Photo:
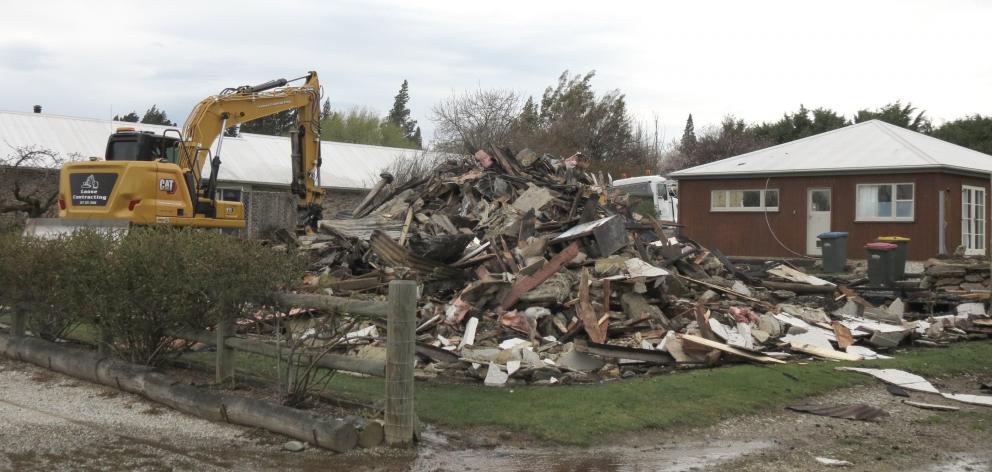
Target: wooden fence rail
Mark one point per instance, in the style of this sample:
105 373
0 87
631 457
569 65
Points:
400 311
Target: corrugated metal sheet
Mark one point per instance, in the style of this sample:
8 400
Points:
249 158
869 146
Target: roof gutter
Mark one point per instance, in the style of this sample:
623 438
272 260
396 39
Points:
833 172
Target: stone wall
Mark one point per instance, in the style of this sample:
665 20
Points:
957 275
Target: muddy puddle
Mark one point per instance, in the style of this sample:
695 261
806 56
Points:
960 462
436 455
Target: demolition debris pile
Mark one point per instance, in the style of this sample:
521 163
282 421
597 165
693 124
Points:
533 270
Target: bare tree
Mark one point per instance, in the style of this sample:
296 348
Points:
472 119
31 175
408 168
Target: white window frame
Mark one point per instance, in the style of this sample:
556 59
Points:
889 219
965 234
761 193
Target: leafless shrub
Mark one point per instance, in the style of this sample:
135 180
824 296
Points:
298 374
409 168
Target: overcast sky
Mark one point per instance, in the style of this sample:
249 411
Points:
753 59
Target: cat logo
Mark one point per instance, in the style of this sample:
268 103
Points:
90 183
229 210
167 185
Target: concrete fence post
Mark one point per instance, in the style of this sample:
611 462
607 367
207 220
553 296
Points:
401 326
225 353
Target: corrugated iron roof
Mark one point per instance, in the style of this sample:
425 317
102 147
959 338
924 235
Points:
249 158
870 146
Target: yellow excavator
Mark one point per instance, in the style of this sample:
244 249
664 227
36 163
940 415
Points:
148 179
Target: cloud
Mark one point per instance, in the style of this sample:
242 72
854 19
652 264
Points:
24 57
709 58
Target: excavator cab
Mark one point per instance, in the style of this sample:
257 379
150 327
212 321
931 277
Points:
130 145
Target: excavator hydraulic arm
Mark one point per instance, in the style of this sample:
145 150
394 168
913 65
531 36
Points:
208 120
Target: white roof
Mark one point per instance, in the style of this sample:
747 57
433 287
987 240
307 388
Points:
639 179
870 146
249 158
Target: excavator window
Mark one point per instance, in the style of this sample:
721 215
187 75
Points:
130 146
122 150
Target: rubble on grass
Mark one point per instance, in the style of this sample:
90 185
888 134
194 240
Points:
534 271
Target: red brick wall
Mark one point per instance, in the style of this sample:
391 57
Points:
747 234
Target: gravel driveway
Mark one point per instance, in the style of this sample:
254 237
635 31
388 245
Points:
54 422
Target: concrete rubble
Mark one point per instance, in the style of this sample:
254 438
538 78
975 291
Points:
534 271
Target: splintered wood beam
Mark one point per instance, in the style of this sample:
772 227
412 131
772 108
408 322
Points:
729 349
529 282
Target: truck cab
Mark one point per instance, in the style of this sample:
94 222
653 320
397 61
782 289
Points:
651 195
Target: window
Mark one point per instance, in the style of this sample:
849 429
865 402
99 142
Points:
973 220
885 202
229 194
744 200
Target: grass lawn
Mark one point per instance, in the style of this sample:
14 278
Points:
581 414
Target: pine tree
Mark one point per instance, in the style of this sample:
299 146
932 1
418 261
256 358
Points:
325 112
529 117
278 124
417 139
688 137
130 117
154 116
399 115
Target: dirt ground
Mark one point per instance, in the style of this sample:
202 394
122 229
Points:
53 422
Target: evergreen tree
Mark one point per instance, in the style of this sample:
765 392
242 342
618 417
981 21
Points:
399 115
530 119
801 124
325 112
899 115
278 124
974 132
130 117
688 143
417 139
154 116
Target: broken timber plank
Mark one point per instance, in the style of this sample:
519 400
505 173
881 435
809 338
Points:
587 314
528 283
843 334
822 352
729 349
931 406
794 275
798 288
406 226
722 289
624 352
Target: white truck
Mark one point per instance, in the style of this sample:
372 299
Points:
651 193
